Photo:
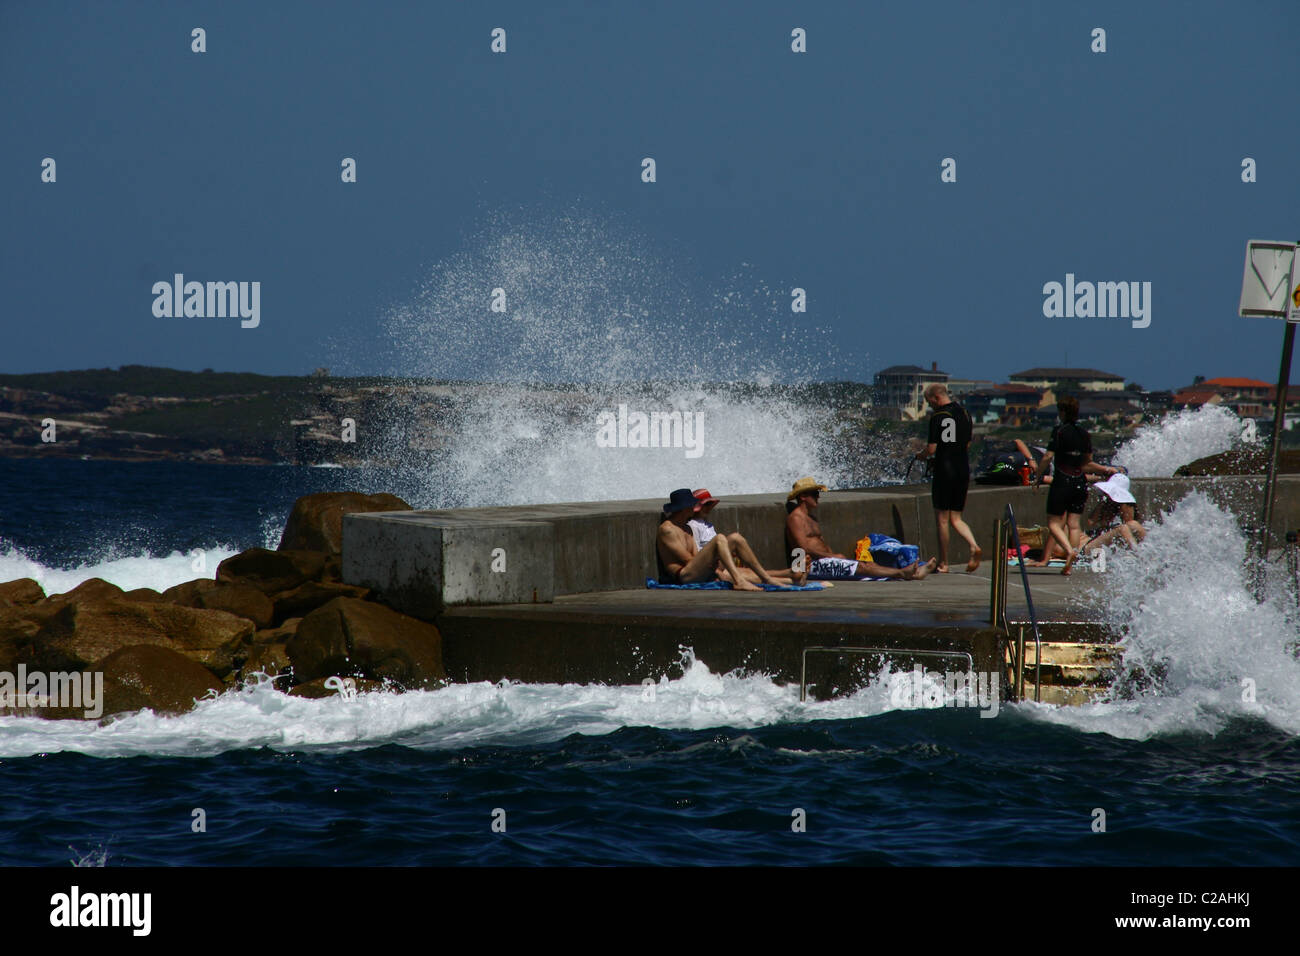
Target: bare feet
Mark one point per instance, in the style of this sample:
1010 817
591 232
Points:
974 561
942 569
801 578
909 572
743 585
1069 562
926 568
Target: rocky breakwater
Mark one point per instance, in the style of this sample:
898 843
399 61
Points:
283 615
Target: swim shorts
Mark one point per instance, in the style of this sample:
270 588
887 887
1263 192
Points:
948 489
1067 493
833 569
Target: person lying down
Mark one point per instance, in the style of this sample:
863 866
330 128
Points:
803 531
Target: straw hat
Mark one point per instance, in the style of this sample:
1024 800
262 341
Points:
803 486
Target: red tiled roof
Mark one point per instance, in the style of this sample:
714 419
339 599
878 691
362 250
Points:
1237 383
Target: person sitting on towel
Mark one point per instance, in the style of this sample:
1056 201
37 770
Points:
703 532
803 531
681 563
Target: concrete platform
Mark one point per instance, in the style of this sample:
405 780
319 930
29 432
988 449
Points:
625 637
556 593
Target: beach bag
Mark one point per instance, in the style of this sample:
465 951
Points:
886 551
1007 470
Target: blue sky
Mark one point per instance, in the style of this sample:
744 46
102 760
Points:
775 170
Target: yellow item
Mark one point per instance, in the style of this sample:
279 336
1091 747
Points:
863 552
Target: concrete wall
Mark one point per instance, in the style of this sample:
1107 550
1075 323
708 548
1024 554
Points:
424 561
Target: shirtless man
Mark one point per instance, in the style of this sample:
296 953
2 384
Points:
685 565
804 530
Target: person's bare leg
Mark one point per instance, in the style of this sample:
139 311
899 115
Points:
873 570
1127 535
1139 532
784 576
1075 529
963 529
746 554
942 518
701 567
1049 547
920 571
1056 525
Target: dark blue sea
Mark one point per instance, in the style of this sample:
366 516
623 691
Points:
717 769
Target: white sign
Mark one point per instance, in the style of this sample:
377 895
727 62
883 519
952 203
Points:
1267 286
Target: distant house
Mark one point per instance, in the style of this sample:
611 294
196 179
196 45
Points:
900 389
1069 379
1195 397
1011 405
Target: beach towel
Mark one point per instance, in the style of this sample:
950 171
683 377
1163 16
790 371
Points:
886 551
724 586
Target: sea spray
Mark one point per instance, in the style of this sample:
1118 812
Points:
127 571
1198 648
1157 449
587 305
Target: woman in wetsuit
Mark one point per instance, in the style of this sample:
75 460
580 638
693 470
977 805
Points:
1071 447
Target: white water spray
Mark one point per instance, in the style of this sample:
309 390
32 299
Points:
1157 450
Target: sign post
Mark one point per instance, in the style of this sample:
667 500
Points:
1268 288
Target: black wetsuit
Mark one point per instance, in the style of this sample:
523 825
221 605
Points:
950 433
1070 446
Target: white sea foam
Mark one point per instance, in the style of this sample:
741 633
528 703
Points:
1187 609
459 715
127 572
1157 449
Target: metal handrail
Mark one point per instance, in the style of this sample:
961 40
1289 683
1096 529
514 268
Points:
1029 602
886 651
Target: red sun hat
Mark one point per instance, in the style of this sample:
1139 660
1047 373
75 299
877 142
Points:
703 497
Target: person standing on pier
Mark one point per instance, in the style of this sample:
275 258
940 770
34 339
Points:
1071 445
950 436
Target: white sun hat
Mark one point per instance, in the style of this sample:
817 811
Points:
1116 489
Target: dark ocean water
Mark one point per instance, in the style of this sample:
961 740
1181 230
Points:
581 775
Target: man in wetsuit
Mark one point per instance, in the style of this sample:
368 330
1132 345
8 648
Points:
950 435
1071 446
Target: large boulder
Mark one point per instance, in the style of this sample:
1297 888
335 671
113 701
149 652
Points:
156 677
305 598
80 634
316 521
188 593
350 637
316 689
269 659
19 593
242 601
279 634
271 571
91 589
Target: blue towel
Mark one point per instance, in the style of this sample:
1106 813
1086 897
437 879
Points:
891 552
724 586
